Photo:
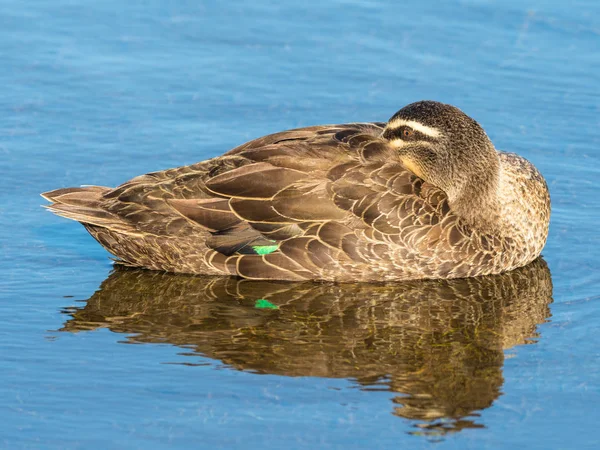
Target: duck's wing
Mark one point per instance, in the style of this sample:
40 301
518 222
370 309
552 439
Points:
175 201
280 188
334 200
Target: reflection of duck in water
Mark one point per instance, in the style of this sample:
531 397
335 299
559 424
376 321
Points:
439 343
424 196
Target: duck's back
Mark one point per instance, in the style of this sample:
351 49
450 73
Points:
328 202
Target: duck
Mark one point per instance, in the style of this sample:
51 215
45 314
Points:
425 195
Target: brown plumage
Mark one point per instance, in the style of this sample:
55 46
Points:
424 196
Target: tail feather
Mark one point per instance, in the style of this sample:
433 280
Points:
61 195
83 204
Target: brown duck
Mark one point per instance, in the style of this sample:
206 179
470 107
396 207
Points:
425 195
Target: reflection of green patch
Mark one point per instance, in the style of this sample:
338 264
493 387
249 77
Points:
264 249
261 303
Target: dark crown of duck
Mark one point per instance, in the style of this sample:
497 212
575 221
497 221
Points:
424 196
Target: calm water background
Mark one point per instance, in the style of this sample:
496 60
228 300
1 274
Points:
98 92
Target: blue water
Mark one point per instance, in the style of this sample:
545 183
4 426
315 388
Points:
98 92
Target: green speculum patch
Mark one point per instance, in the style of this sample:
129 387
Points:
264 249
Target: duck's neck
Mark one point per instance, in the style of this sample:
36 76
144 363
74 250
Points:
477 202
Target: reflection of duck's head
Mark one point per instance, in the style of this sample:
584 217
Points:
440 343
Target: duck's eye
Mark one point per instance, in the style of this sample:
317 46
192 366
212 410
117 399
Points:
407 132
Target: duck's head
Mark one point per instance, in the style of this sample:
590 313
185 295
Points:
442 145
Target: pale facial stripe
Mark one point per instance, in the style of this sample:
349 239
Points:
427 131
398 143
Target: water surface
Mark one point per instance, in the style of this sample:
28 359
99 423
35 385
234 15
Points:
96 357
